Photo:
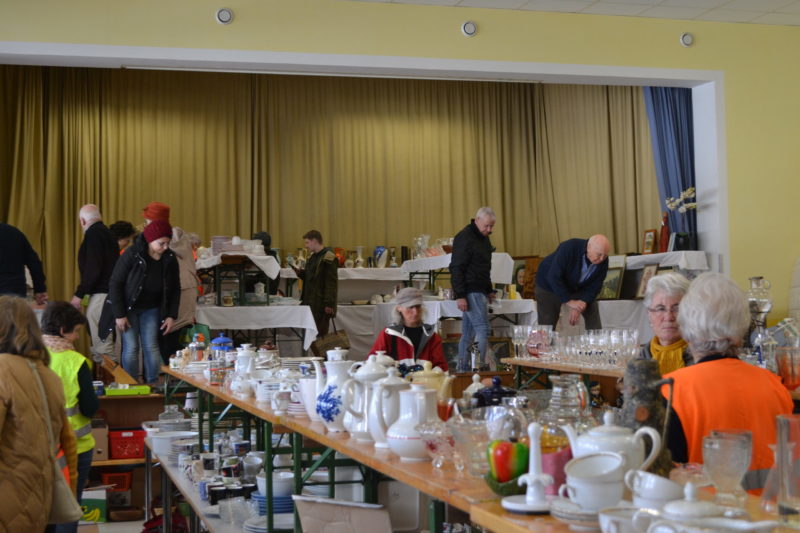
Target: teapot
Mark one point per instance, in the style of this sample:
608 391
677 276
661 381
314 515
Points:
385 360
691 515
433 378
357 395
384 407
612 438
493 395
337 354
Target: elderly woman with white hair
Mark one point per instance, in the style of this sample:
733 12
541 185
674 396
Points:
662 299
719 391
408 337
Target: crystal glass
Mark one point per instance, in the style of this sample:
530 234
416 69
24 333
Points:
788 470
726 458
520 337
438 441
475 429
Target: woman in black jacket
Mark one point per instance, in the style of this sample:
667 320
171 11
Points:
143 298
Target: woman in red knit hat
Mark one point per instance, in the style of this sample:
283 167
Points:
143 297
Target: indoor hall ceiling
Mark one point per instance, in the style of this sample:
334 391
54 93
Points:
776 12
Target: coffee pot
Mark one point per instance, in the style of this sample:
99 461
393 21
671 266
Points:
417 406
384 406
434 378
358 395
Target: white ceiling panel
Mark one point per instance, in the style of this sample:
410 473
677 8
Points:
672 12
564 6
613 8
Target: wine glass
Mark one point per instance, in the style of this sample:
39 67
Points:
726 459
520 337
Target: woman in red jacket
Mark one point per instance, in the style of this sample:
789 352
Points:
408 337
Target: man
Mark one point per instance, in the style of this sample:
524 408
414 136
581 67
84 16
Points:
719 391
573 275
470 269
320 281
15 254
97 256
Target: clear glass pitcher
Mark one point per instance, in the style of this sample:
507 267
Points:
759 300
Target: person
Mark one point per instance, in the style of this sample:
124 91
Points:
662 299
181 245
271 284
26 453
61 325
470 276
143 298
408 337
16 253
97 255
519 279
320 281
572 275
720 391
124 232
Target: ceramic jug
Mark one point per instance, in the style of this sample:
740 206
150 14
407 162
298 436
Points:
417 406
434 378
612 438
358 396
384 407
245 358
329 399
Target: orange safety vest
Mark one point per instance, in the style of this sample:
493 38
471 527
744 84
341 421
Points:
729 394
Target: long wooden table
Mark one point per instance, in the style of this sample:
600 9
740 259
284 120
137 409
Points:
460 490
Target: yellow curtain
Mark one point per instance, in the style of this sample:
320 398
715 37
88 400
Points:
365 161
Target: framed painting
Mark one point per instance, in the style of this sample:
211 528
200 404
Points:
648 241
647 272
612 285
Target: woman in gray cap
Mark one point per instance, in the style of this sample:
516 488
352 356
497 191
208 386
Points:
408 337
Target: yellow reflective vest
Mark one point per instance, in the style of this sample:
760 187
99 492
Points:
67 364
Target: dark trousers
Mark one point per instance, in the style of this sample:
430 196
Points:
322 321
548 309
169 344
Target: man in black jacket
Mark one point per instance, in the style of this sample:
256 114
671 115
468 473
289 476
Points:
470 269
15 254
573 275
97 256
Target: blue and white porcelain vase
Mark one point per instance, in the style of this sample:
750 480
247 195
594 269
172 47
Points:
329 401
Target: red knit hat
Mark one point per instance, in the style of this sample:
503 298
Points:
157 229
156 211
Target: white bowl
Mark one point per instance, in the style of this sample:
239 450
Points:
282 483
162 441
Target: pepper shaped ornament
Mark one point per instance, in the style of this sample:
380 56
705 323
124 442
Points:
612 438
534 500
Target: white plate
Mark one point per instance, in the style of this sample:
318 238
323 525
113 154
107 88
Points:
211 510
570 513
258 524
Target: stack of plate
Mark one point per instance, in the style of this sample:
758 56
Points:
265 388
280 504
259 523
295 362
297 409
179 446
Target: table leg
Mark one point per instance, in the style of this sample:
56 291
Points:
166 501
148 484
436 516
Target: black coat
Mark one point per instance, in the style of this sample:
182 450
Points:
471 263
97 256
560 273
126 285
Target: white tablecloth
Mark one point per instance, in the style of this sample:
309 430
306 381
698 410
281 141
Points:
502 266
266 263
379 274
685 260
259 317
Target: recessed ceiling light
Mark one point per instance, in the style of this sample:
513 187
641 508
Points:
469 28
687 39
224 15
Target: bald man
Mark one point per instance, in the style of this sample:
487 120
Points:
97 256
573 275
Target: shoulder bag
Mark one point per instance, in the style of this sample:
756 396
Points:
337 339
65 507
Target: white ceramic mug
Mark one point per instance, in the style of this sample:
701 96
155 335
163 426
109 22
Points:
617 520
592 496
650 490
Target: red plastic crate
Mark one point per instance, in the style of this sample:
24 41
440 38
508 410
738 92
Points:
122 480
127 444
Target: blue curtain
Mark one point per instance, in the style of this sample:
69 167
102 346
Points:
669 110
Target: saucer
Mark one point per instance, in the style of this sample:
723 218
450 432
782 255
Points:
517 504
570 513
211 510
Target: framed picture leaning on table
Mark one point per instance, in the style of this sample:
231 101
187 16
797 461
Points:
647 272
648 241
612 285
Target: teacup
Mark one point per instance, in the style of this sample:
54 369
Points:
650 490
592 496
280 401
617 520
596 467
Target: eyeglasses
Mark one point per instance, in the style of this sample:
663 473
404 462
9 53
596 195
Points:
661 310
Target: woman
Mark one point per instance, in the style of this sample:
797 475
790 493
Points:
661 299
408 337
124 232
61 326
719 391
26 455
143 297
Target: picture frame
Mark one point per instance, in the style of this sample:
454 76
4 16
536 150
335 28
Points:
648 271
612 285
498 348
648 241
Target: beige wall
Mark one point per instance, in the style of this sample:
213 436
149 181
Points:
759 65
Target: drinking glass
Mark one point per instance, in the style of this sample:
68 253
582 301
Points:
788 470
726 458
520 337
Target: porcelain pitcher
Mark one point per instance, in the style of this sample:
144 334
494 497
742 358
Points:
358 396
329 399
417 406
384 407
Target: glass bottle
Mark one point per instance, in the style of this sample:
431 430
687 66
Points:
170 414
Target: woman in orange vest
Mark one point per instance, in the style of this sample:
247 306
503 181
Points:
719 391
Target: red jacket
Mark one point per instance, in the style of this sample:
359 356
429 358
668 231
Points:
430 346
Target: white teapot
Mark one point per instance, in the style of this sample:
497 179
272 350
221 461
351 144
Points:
384 407
357 395
385 360
612 438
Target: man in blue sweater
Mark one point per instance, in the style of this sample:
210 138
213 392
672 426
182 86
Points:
573 275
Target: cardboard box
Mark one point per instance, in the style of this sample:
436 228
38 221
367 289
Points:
116 371
100 434
119 498
95 507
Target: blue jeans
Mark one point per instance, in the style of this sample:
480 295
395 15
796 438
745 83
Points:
144 325
84 465
474 324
